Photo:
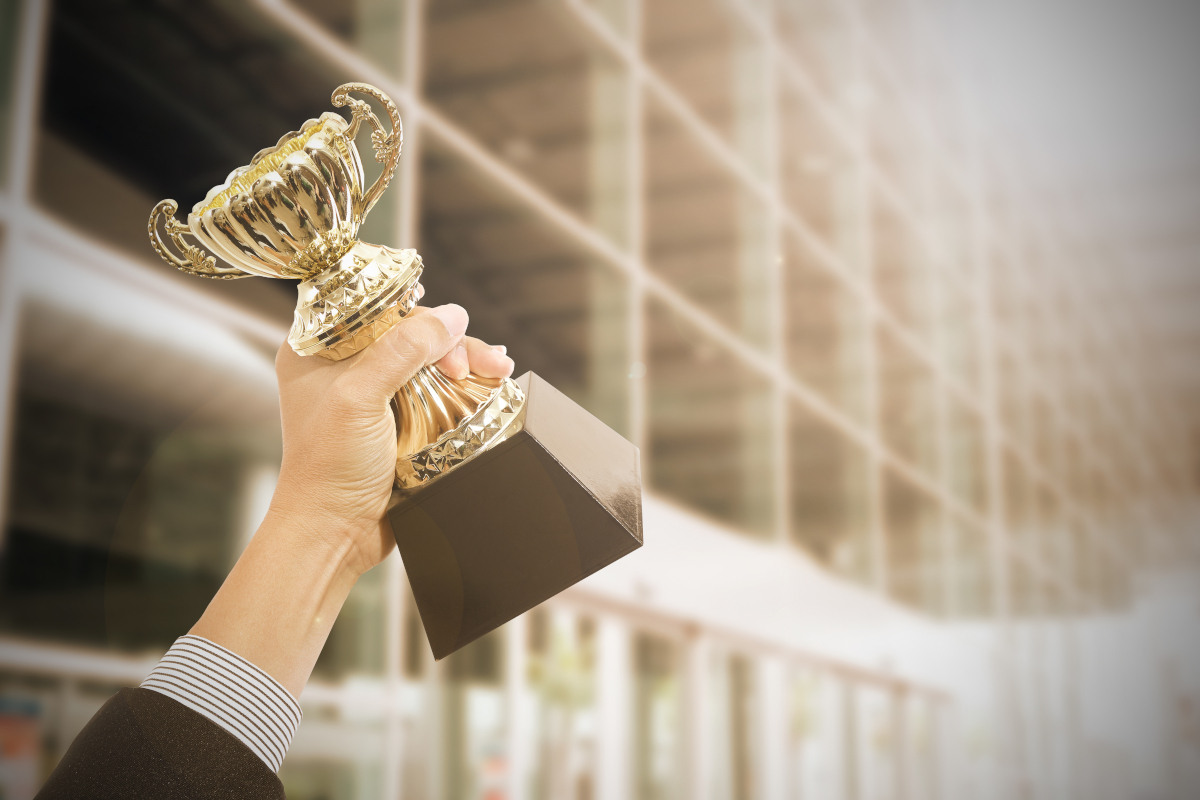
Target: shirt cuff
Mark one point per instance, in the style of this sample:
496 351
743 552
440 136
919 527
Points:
230 691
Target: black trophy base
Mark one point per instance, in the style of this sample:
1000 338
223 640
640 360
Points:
521 522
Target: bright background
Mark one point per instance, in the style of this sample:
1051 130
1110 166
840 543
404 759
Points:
899 299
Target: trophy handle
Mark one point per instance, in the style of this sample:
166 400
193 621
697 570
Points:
194 260
387 143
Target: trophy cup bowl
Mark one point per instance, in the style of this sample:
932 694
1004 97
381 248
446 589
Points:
563 490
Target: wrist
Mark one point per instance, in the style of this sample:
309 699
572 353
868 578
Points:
333 539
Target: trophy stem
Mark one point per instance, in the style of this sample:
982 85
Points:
440 422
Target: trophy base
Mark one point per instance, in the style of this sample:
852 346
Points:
557 500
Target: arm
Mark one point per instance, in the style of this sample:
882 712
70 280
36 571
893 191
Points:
326 524
266 626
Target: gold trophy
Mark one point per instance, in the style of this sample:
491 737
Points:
563 491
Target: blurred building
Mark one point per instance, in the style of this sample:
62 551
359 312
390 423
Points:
905 469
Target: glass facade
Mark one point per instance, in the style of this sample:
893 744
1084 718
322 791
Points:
757 238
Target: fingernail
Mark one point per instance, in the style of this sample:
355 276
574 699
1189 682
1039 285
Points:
454 317
420 291
499 348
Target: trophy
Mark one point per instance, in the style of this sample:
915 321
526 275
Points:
506 492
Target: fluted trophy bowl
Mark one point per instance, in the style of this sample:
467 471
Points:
293 208
294 212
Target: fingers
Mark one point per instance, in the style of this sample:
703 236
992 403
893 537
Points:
475 355
414 342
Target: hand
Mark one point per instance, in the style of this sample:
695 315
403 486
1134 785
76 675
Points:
339 431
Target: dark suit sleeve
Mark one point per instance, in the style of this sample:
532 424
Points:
144 744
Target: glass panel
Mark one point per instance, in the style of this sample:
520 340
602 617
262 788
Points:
558 701
959 315
829 495
706 233
1025 589
818 173
1055 552
970 573
816 35
474 747
1083 567
619 14
657 718
1012 397
716 63
138 472
1019 502
40 715
526 284
897 150
920 747
373 29
10 25
916 545
902 272
732 773
816 754
906 404
338 753
708 425
827 330
964 469
528 83
875 742
212 86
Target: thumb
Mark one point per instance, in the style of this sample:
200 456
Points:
414 342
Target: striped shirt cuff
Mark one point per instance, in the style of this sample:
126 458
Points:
227 689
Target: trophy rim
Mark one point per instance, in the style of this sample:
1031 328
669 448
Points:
266 161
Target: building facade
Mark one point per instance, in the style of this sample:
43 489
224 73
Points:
769 241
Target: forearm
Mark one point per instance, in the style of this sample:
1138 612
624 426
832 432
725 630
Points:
278 604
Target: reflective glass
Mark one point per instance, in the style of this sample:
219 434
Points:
902 272
970 573
543 96
657 740
210 84
10 24
816 35
818 173
137 475
526 285
816 736
829 494
826 329
875 742
475 751
372 29
916 545
964 467
707 234
907 405
732 772
717 64
337 754
710 433
558 703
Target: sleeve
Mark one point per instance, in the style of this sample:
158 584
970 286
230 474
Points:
231 692
145 744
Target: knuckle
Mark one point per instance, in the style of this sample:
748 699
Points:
412 346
